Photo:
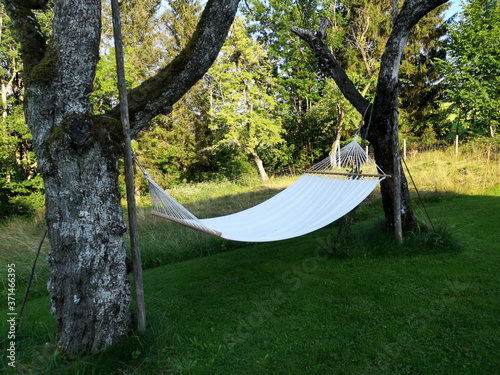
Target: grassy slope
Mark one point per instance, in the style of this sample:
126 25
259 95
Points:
282 308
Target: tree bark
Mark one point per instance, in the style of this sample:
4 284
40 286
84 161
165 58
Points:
89 288
381 118
78 157
260 166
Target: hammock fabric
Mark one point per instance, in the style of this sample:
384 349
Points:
325 193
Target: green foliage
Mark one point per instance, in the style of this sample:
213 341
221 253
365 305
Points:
173 148
105 94
140 34
265 98
242 107
21 187
472 69
168 150
294 67
314 111
422 86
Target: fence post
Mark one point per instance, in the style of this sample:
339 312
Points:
404 149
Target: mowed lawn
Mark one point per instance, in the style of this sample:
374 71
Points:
289 308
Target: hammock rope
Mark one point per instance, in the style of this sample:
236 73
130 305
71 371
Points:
323 194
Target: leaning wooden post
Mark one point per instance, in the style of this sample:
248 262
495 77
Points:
396 179
129 172
404 149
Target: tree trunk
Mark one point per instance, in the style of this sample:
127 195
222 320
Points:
89 287
381 119
383 134
78 157
385 144
260 166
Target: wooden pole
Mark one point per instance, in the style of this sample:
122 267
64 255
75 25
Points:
456 145
129 171
404 149
396 180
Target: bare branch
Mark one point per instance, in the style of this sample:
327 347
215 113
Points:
332 66
323 24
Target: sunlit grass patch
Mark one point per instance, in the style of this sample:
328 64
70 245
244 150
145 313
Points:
473 171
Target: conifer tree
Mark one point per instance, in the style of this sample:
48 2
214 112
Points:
472 67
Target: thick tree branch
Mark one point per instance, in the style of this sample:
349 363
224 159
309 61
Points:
412 11
29 32
158 93
332 66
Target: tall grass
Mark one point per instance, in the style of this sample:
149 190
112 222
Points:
474 171
19 241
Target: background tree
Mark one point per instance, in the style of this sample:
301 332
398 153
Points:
421 80
78 153
170 145
472 67
383 114
298 84
140 25
242 104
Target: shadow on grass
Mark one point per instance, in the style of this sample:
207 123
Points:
359 234
373 239
380 314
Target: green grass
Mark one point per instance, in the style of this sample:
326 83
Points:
287 308
310 305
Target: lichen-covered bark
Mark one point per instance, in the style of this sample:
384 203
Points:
78 157
382 130
89 289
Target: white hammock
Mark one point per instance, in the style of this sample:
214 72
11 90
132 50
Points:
325 193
